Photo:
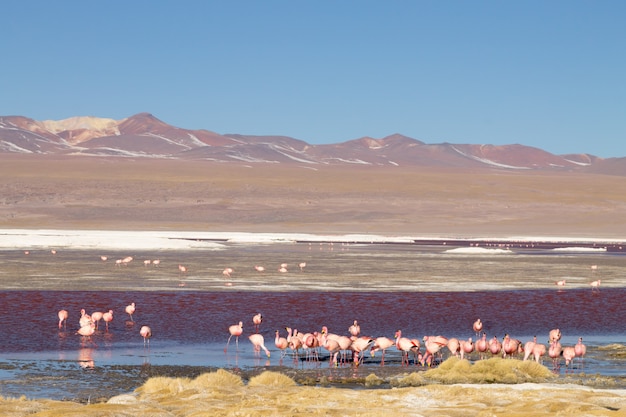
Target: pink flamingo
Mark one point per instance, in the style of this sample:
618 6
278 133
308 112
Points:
580 349
344 342
259 268
509 346
295 343
355 329
130 309
381 343
495 347
85 318
234 330
560 283
555 335
146 333
227 271
467 347
107 317
454 346
281 344
529 346
156 262
103 258
258 342
333 348
538 351
256 320
482 346
96 316
182 269
358 347
433 344
63 315
404 345
87 331
477 326
302 265
555 353
595 285
569 353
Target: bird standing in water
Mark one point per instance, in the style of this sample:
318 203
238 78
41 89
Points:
234 330
146 333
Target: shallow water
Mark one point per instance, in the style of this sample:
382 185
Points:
419 289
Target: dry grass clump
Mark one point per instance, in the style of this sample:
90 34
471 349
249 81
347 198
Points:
614 350
217 380
493 370
271 379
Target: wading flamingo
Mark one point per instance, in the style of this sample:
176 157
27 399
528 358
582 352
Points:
404 345
560 283
495 347
555 353
595 285
63 315
85 318
381 343
467 347
281 344
538 351
580 349
259 268
333 348
528 347
477 326
96 316
107 317
258 342
302 265
234 330
509 346
482 346
87 331
130 309
146 333
569 353
555 335
454 346
432 344
355 329
358 347
256 320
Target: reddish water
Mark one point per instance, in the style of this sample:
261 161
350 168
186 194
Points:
29 321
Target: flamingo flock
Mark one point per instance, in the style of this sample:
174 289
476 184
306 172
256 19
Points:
427 351
88 324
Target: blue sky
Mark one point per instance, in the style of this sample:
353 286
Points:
549 74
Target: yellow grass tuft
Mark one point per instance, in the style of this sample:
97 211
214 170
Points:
493 370
272 379
217 380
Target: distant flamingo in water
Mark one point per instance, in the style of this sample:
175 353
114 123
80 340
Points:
555 335
355 329
234 330
107 317
381 343
281 344
227 271
96 316
467 347
256 320
258 342
482 346
130 309
404 345
259 268
569 353
478 327
302 265
580 349
560 283
146 333
63 315
555 353
595 285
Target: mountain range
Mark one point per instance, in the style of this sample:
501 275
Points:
145 136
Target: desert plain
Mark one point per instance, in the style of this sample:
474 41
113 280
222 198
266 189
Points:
106 193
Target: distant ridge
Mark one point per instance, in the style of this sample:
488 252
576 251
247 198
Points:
145 136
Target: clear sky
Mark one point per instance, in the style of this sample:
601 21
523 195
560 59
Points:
549 73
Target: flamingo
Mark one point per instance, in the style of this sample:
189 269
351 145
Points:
258 342
355 329
256 320
454 346
96 316
333 348
477 326
529 346
344 342
146 333
127 260
259 268
569 353
560 283
227 271
182 269
281 344
555 335
482 346
103 258
147 262
302 265
358 347
509 346
107 317
555 352
63 315
580 349
87 331
234 330
495 347
156 262
404 345
85 318
381 343
295 343
282 269
595 285
433 344
467 346
130 309
538 351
